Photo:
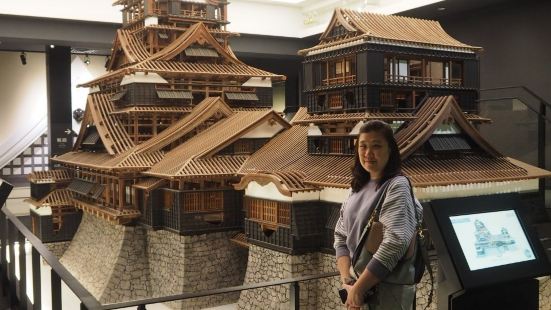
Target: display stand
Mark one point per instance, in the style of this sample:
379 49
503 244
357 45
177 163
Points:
488 257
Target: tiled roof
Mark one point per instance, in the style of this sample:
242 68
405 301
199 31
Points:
114 137
353 117
163 67
288 152
226 165
433 112
127 160
467 169
184 159
163 61
149 184
206 109
115 216
57 197
132 48
390 29
50 176
153 109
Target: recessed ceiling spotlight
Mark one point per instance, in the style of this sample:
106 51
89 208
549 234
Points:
441 9
86 59
52 46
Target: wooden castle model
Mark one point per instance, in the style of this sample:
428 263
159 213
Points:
408 72
178 135
165 130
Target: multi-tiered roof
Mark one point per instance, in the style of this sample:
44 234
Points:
174 101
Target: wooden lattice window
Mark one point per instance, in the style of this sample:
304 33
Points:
271 214
168 200
335 101
208 201
335 145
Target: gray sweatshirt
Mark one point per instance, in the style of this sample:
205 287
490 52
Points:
396 215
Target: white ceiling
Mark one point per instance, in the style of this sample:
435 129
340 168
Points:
286 18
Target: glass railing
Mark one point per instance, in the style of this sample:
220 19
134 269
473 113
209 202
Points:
520 128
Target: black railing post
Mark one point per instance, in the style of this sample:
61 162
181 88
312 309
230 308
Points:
294 293
37 284
56 290
3 261
22 272
83 306
541 146
141 307
12 297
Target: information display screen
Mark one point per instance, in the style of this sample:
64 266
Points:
484 240
492 239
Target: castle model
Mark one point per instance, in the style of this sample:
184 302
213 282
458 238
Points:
181 162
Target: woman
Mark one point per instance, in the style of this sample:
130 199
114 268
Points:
377 161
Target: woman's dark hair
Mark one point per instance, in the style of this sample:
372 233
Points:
360 176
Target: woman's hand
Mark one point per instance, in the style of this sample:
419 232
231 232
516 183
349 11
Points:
355 298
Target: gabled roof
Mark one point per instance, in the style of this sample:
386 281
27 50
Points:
50 176
128 160
126 43
288 152
99 113
196 34
206 109
352 117
388 29
57 197
434 112
201 149
162 62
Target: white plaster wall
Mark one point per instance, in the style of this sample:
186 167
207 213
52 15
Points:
82 73
22 101
23 98
265 130
97 10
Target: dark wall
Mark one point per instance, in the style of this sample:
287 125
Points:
291 67
516 41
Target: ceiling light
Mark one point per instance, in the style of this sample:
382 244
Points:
52 46
441 9
86 59
23 58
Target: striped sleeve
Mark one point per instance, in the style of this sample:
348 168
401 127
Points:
341 249
398 218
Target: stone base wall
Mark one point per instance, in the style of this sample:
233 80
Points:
545 293
109 260
195 263
58 248
266 265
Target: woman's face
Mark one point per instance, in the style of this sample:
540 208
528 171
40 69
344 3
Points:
374 152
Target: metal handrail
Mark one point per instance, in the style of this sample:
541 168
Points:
230 289
90 302
82 293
